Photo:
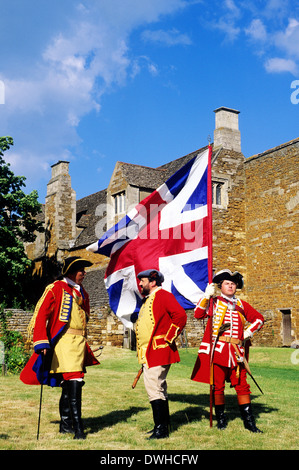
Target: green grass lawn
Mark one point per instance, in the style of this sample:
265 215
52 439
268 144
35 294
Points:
116 417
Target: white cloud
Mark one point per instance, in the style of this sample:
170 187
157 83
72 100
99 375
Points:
287 43
168 38
27 162
232 8
278 65
277 36
227 17
257 30
272 30
153 69
288 40
87 58
143 62
229 29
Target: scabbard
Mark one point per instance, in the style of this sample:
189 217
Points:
137 377
249 372
246 365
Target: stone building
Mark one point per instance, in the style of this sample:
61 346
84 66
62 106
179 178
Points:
255 229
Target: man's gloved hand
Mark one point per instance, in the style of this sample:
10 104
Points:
210 291
247 335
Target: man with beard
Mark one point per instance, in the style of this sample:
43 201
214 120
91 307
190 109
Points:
161 319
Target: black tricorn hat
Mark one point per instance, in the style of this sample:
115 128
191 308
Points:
227 275
152 274
74 263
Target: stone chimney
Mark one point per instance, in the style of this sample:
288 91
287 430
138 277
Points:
60 210
226 133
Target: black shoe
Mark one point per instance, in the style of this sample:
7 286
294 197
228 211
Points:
79 434
160 432
75 398
66 423
248 419
220 416
161 419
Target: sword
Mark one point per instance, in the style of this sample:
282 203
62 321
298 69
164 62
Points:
246 365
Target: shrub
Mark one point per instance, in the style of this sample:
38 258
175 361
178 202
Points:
13 342
16 359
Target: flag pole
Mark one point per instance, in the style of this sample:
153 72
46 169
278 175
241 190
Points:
210 272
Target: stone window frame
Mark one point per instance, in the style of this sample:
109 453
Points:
220 188
119 203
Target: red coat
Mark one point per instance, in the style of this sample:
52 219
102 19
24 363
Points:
224 352
169 320
52 315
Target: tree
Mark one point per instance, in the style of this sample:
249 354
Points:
18 224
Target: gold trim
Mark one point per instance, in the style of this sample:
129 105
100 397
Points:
159 346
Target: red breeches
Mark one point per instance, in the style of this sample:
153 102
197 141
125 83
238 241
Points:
72 375
221 374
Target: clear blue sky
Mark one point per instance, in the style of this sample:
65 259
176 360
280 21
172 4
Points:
96 81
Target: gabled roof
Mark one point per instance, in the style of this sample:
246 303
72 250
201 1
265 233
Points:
142 176
90 210
173 166
152 178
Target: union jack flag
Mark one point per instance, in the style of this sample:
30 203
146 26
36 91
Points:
170 230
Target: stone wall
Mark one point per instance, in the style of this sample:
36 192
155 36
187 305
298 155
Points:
229 217
60 210
18 321
272 227
105 329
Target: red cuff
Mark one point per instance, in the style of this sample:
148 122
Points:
172 333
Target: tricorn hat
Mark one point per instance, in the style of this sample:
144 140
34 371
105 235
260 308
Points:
74 263
227 275
152 274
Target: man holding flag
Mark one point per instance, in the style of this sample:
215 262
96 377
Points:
224 350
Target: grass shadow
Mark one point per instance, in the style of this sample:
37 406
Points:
201 412
189 413
96 424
